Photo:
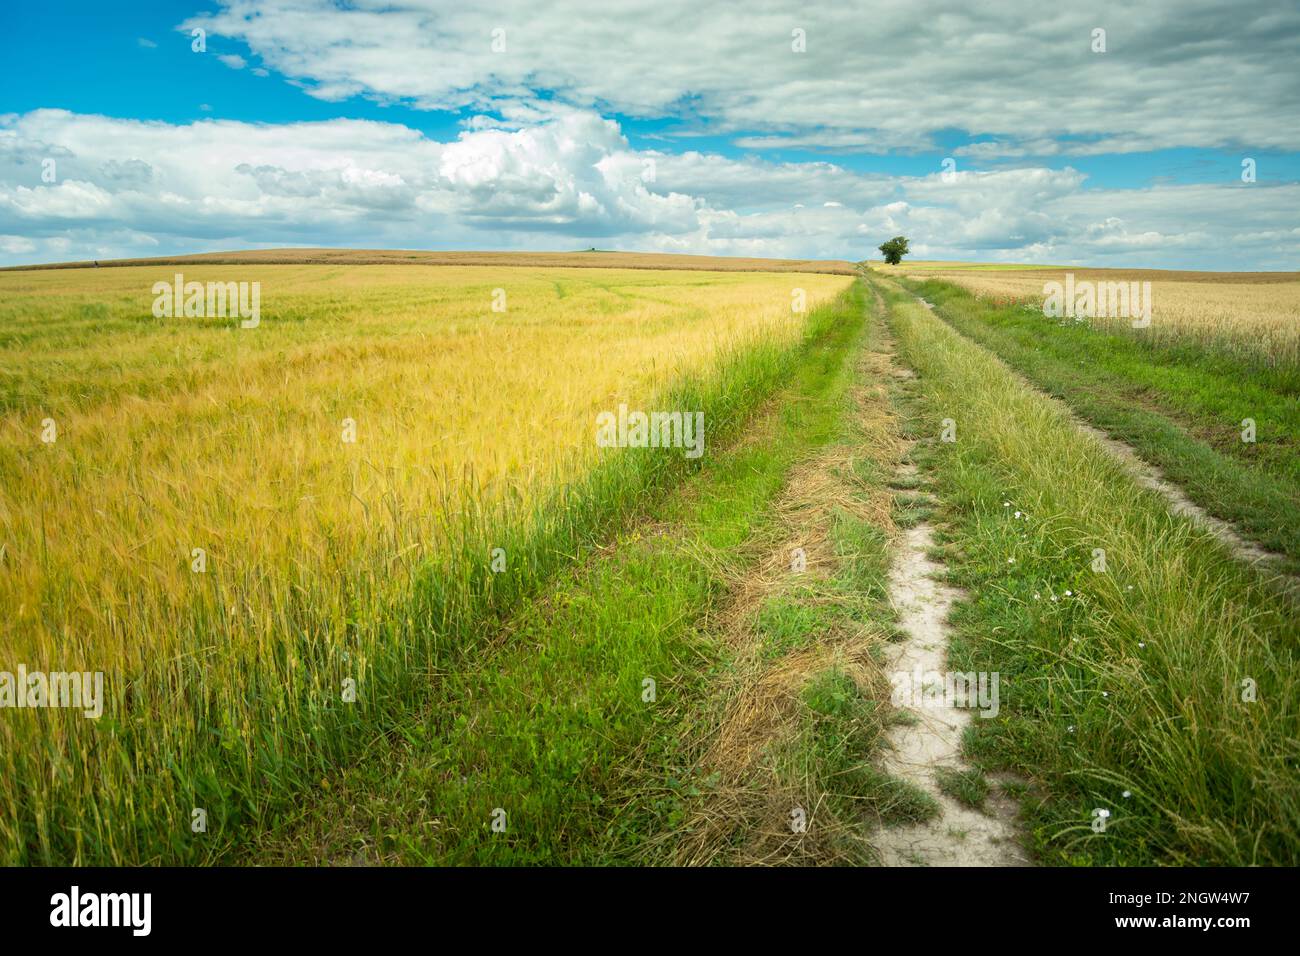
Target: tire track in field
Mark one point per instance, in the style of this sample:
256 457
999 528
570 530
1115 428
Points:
1151 477
744 818
931 743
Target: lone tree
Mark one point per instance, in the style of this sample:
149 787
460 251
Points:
894 250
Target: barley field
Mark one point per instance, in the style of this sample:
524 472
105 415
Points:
188 505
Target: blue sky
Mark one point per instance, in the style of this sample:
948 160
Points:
130 61
673 128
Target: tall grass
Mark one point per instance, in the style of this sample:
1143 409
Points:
1180 409
1162 690
227 696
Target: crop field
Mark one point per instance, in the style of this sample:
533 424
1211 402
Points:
364 584
1256 314
211 514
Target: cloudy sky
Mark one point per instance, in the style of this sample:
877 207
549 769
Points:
990 131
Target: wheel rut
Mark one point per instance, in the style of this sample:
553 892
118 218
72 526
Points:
929 741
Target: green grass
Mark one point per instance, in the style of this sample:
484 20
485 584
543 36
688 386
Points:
786 623
839 726
1134 679
824 635
967 787
1180 408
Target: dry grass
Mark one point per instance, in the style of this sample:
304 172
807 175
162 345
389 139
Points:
757 743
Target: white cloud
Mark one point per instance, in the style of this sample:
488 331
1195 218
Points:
547 177
876 76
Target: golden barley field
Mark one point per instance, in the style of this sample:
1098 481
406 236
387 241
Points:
1250 313
193 433
177 434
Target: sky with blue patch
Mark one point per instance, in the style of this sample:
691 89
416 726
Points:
1058 151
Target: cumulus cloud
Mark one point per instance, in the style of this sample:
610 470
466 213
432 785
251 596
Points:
544 176
568 172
